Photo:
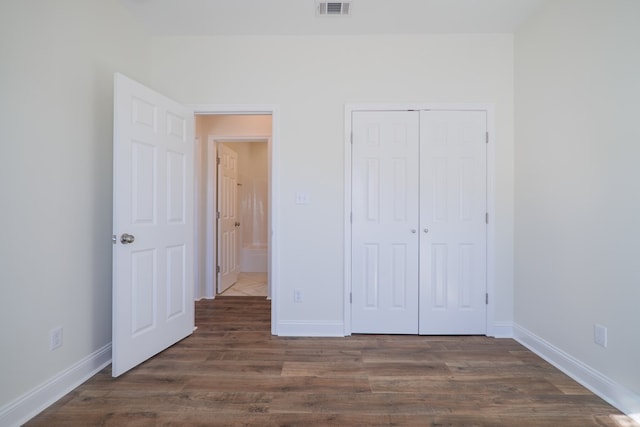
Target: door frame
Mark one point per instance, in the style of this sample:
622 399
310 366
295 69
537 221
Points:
273 196
211 239
491 328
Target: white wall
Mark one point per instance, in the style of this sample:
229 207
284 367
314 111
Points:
56 104
252 192
237 125
577 203
311 78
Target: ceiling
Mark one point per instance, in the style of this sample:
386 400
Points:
298 17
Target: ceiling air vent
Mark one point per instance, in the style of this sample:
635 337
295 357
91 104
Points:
337 8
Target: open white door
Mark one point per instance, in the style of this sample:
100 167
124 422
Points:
152 224
228 222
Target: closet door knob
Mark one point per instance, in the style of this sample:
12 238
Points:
426 230
413 230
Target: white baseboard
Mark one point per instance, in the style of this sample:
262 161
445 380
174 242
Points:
294 328
500 330
35 401
615 394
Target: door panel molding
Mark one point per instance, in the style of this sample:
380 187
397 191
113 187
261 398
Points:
385 222
492 328
153 146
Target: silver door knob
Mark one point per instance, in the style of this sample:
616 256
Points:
413 230
426 230
127 238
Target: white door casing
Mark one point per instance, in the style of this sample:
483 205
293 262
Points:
153 202
228 222
385 222
453 208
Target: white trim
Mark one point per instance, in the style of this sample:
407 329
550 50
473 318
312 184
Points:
615 394
29 405
418 106
302 328
274 195
491 227
347 219
245 109
491 203
500 330
197 277
231 139
210 209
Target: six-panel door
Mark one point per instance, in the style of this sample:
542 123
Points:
385 222
228 225
152 225
453 222
418 222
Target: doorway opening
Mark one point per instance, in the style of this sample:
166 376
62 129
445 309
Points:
242 214
234 209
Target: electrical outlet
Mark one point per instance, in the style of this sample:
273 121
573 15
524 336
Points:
600 335
55 338
297 295
302 198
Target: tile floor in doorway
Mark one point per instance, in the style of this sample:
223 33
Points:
248 284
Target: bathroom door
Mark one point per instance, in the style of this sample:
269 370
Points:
228 222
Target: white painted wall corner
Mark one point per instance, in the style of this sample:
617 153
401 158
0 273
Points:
613 393
29 405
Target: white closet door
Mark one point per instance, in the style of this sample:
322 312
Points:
453 231
385 222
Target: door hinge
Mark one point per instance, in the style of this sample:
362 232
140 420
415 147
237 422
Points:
217 269
218 215
217 160
350 298
114 239
486 218
486 137
486 299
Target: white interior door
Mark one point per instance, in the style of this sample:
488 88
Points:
385 222
153 224
228 219
453 230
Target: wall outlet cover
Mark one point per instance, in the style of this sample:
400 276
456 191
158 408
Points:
600 335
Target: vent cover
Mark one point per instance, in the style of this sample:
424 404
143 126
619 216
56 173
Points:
333 8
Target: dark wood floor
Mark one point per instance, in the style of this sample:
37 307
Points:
232 372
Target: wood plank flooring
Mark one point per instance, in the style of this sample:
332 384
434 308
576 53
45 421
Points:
232 372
